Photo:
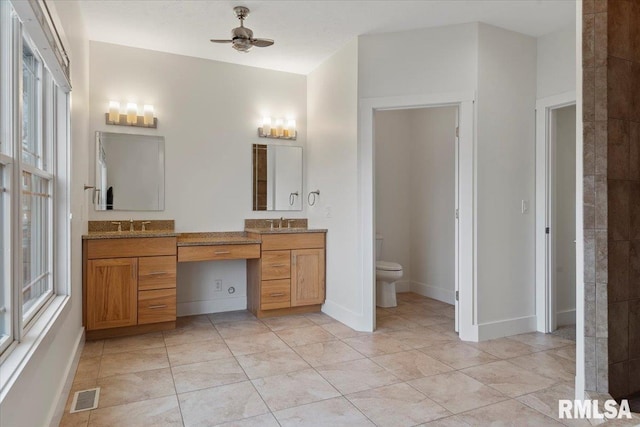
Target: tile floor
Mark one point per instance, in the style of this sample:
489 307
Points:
233 369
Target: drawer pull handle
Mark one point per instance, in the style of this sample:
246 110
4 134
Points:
278 265
157 273
277 294
155 307
222 252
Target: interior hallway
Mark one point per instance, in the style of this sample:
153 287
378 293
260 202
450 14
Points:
312 370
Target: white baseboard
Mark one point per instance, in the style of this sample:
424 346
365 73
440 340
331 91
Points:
566 317
71 368
341 314
193 308
505 328
440 294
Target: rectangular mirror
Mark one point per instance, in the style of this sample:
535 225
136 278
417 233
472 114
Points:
277 178
129 172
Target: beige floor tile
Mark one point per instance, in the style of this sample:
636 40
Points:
193 321
128 388
319 318
421 337
259 343
259 365
325 353
191 334
134 343
160 412
222 404
197 376
546 402
357 375
242 327
78 419
88 368
457 392
431 319
231 316
397 405
199 351
92 348
504 348
454 421
266 420
509 379
294 389
395 322
341 331
507 413
458 355
306 335
336 412
568 352
542 341
408 365
287 322
548 365
409 296
376 344
125 363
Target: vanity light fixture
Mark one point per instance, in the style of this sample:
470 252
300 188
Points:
131 117
279 131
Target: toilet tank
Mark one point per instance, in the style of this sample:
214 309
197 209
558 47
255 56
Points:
378 246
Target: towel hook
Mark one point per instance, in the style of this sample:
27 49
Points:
312 200
292 198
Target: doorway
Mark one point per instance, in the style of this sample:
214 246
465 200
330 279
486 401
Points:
416 196
556 214
465 293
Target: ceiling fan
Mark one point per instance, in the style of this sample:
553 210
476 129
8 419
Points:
242 38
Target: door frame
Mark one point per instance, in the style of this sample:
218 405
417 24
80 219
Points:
545 298
466 309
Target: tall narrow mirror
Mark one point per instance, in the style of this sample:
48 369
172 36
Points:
277 178
129 172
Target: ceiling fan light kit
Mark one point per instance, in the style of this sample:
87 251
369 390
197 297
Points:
242 38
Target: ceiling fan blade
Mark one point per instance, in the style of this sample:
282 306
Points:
261 42
221 41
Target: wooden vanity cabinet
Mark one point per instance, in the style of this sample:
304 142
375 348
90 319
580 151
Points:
129 285
289 277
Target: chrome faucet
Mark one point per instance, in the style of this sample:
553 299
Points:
131 225
270 221
144 224
119 224
289 221
281 221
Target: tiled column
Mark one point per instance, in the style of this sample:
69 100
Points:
623 179
595 117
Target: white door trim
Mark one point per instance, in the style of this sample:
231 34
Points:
468 325
544 296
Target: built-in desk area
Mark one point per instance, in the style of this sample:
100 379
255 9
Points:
130 277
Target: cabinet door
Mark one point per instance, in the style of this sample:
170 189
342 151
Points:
307 277
112 289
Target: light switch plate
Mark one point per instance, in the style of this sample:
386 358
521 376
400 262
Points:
525 207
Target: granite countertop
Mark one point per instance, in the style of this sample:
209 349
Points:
215 238
285 230
95 235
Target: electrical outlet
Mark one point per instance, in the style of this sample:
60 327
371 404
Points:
218 285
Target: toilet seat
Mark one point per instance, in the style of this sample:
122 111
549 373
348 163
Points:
388 266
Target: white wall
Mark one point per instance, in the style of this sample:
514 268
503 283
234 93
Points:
564 205
393 174
208 112
505 177
556 64
415 196
426 61
332 167
32 399
432 198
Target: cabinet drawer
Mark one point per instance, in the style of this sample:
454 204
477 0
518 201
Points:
218 252
272 242
275 294
156 306
276 265
158 272
134 247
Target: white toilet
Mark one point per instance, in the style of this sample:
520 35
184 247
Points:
387 274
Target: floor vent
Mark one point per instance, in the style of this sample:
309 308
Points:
85 400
